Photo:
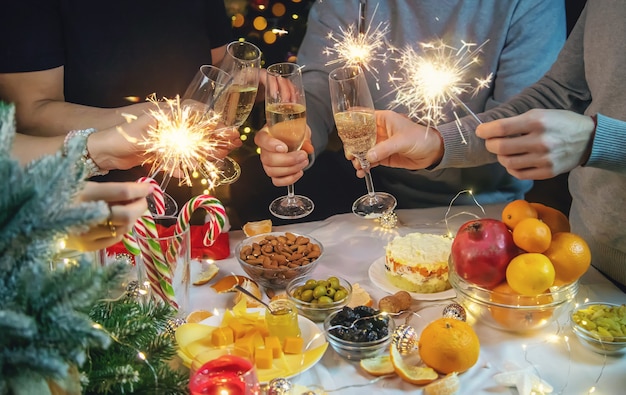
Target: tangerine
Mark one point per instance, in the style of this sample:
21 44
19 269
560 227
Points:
254 228
516 211
378 366
570 255
449 345
530 273
198 315
409 369
556 220
532 235
446 386
519 318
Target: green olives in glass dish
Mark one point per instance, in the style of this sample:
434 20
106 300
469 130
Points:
316 298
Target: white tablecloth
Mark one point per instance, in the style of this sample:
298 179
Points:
351 244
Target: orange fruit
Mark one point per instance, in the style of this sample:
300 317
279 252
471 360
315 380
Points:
532 235
570 255
198 315
410 368
522 319
206 275
378 366
254 228
227 283
449 345
516 211
446 386
530 273
556 220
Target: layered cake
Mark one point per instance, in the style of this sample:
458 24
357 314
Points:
418 262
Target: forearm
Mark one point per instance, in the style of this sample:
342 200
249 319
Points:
28 148
56 118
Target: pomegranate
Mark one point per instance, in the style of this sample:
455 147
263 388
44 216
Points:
481 251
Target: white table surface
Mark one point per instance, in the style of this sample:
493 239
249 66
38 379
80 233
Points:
351 244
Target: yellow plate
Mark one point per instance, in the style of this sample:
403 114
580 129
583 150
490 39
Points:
195 339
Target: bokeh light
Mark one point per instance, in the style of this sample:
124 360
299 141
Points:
260 23
269 37
279 9
238 20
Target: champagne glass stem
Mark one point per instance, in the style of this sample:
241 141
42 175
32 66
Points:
290 192
365 165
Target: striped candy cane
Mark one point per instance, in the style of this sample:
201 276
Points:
217 220
159 201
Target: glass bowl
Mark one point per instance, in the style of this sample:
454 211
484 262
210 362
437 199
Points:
312 310
357 350
275 258
592 339
513 313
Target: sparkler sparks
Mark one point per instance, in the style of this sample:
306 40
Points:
359 49
184 140
434 78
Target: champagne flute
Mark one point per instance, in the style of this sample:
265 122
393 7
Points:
243 62
204 95
353 110
285 113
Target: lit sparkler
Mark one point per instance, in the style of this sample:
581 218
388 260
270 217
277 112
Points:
183 141
359 46
434 78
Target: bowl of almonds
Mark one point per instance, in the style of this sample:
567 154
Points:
274 259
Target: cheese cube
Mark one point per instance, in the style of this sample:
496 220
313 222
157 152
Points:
293 345
222 336
239 330
273 343
263 358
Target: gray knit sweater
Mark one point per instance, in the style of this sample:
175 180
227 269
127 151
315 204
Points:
588 77
524 39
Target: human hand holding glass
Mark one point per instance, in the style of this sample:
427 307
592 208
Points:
243 62
285 112
353 110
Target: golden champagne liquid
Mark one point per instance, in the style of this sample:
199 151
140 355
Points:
237 103
357 131
287 123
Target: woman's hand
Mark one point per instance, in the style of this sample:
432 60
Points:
127 202
285 168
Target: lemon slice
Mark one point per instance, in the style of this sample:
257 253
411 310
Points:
378 366
206 275
254 228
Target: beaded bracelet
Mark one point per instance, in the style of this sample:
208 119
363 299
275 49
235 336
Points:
92 168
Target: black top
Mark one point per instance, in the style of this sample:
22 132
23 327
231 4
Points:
113 49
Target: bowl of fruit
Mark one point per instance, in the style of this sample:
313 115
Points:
359 333
520 272
274 259
600 327
317 298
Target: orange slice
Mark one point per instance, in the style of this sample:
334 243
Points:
446 386
198 315
206 275
410 368
254 228
378 366
227 283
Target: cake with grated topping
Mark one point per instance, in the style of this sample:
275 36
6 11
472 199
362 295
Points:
418 262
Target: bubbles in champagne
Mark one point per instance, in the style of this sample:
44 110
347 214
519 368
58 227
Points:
287 123
357 130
